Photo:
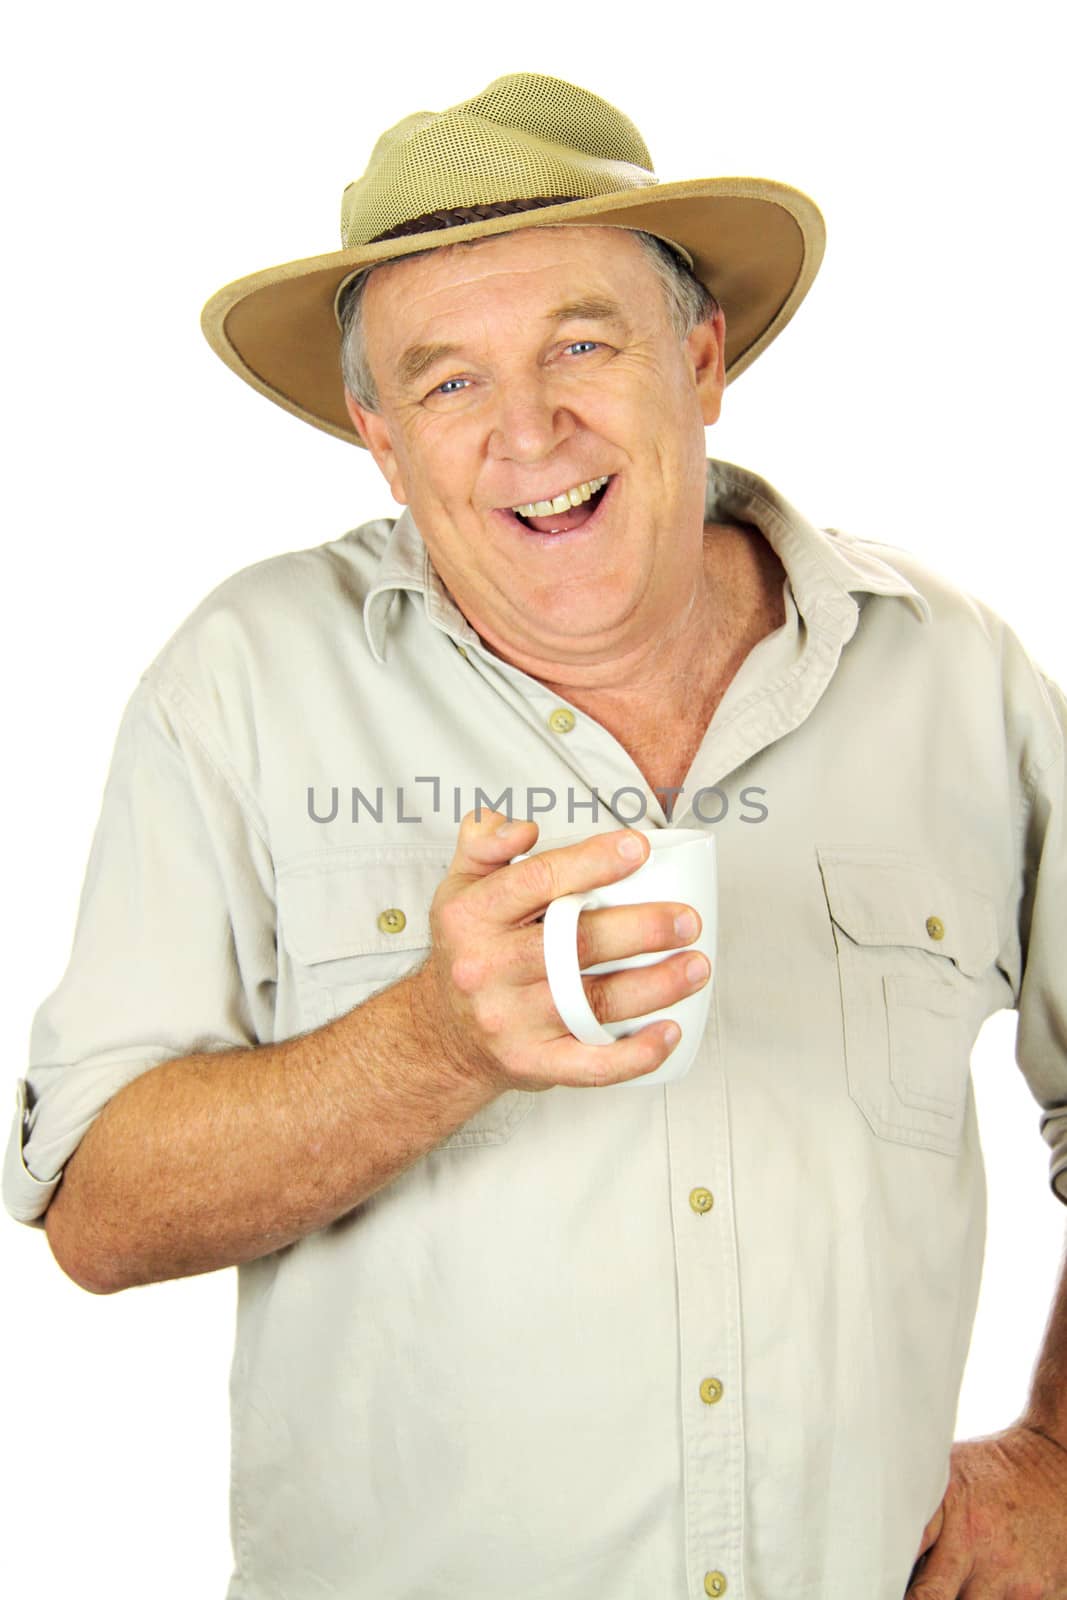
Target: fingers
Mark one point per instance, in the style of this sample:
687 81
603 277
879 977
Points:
940 1578
618 996
931 1531
609 934
944 1565
573 1065
519 893
487 982
621 996
488 841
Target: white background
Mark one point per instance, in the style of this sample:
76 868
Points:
916 398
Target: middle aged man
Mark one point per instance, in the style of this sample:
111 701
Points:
700 1339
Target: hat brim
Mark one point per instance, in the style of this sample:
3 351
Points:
755 244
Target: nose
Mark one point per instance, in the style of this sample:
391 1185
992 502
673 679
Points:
528 422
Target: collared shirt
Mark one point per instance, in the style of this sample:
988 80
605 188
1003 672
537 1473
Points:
697 1339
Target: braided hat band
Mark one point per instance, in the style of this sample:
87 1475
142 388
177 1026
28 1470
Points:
430 221
459 216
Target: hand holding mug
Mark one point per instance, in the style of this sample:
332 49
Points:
681 866
482 999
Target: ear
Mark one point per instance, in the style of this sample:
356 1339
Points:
374 431
706 353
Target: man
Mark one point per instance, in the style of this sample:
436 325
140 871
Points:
497 1334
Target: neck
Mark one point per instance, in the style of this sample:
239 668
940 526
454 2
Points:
683 670
658 698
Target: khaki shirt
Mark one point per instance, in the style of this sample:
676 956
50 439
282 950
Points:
700 1339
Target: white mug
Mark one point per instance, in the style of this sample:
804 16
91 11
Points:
681 866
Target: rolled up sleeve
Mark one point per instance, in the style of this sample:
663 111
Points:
174 949
1041 1037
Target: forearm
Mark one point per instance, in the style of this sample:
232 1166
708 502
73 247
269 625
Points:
1047 1406
210 1160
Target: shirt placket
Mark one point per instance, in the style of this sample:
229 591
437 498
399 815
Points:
701 1165
698 1156
709 1322
698 1160
599 763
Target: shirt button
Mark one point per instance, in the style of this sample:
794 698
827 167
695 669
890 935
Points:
935 927
701 1199
710 1391
714 1583
561 720
462 650
392 921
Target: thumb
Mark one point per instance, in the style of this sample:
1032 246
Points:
932 1531
487 840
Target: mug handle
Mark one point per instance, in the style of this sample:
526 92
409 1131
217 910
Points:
564 974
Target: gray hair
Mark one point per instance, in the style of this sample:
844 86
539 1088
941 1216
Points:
689 303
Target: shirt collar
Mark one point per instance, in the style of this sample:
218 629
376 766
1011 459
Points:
405 564
825 568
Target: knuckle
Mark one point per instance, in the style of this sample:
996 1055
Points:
587 941
541 878
657 929
467 972
527 950
933 1588
599 1075
599 1001
492 1018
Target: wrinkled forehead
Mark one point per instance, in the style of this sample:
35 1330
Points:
425 306
601 254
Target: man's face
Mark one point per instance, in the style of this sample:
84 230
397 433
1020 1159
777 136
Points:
530 403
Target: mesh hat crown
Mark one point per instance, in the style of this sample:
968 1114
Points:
528 151
525 136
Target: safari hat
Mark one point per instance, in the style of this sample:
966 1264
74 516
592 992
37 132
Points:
529 151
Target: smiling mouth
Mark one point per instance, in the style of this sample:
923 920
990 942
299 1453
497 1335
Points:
567 521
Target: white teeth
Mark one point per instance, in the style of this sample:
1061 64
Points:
570 497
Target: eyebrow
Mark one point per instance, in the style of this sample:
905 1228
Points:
419 358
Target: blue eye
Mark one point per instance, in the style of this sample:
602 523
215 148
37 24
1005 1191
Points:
443 388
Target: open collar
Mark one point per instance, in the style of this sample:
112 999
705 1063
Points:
825 568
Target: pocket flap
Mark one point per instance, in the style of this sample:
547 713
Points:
893 898
361 901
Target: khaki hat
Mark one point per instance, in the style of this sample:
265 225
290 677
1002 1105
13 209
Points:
528 152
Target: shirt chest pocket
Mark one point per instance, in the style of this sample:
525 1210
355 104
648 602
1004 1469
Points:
911 947
356 921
